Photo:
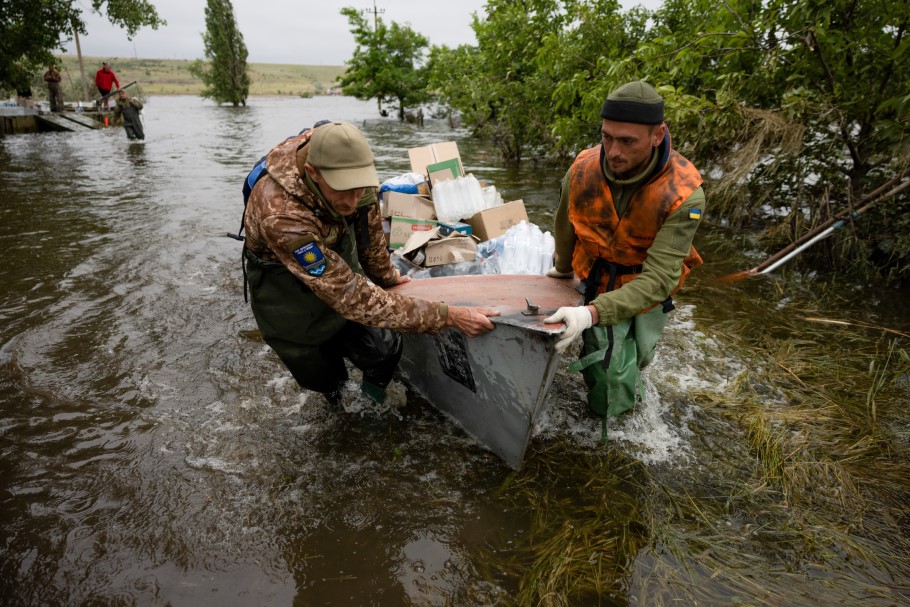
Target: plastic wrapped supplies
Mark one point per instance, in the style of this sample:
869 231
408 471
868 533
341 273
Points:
524 249
407 184
461 198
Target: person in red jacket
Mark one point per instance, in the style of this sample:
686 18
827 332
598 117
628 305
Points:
105 79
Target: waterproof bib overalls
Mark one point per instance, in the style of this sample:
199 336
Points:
310 338
609 253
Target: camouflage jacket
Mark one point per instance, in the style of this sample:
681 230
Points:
284 212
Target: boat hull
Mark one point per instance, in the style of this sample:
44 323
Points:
494 386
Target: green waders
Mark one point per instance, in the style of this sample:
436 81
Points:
311 339
612 357
614 387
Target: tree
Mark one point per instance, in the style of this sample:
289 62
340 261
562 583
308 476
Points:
503 86
386 63
31 30
226 78
800 106
794 108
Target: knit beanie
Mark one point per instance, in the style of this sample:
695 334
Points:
634 102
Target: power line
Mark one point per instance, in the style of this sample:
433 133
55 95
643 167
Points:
376 12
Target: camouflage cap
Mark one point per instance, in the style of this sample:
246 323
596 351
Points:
634 102
343 157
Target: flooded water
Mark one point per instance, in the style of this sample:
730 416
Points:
155 451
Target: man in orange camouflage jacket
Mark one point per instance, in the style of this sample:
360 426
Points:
628 212
317 266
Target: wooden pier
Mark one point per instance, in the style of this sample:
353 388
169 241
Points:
28 120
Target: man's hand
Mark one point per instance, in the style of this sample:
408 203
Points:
399 279
470 321
577 319
554 273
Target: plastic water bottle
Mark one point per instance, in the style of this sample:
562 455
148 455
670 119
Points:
535 250
475 195
546 256
463 197
522 247
444 200
491 197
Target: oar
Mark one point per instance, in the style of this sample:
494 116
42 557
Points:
823 230
103 97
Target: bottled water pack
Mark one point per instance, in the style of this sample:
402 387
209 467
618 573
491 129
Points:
524 249
459 198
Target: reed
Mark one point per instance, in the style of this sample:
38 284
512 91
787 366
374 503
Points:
779 509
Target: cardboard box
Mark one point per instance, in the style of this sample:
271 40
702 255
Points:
431 154
494 222
453 249
445 170
404 227
446 228
398 204
430 248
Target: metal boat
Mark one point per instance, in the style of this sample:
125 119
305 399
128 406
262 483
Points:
494 386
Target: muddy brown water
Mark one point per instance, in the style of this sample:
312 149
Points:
155 452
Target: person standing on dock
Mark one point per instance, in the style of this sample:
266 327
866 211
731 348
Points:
129 107
627 214
54 94
105 79
317 266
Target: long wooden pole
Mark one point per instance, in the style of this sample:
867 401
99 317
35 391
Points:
825 228
114 92
81 65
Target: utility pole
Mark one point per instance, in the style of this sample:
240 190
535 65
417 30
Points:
376 12
81 65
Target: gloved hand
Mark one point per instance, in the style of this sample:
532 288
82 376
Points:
577 319
554 273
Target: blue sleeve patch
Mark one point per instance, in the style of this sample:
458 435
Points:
694 213
311 258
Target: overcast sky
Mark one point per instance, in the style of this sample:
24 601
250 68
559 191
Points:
282 31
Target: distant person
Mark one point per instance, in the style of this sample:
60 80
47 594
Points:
318 267
54 94
129 107
24 96
105 79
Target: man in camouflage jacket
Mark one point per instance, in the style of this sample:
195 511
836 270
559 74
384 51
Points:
318 266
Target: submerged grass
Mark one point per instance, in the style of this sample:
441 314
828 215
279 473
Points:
798 496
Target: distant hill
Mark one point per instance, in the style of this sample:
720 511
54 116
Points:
172 76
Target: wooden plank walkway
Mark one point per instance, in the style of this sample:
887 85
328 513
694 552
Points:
58 123
80 119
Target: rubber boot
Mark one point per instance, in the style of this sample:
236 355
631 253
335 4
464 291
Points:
334 399
375 393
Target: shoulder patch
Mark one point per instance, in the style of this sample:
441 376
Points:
694 213
308 254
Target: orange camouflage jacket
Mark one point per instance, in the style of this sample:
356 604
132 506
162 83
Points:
625 240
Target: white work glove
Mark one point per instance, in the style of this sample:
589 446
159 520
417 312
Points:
577 319
554 273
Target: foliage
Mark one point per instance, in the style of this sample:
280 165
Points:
225 76
386 64
172 76
798 107
498 85
30 30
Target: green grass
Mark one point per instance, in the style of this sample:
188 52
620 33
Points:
172 76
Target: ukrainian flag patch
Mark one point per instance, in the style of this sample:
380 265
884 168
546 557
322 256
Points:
694 213
311 258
